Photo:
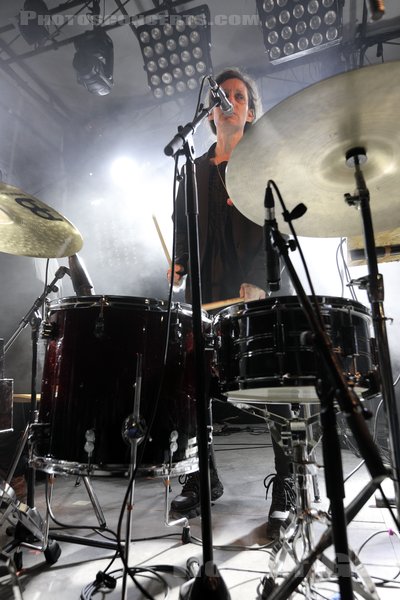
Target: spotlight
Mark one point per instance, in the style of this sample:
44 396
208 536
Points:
294 28
31 22
94 61
176 50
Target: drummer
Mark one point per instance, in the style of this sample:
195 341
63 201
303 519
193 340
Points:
232 263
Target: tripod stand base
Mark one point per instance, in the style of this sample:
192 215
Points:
207 584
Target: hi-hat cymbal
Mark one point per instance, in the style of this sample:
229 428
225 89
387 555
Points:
28 227
302 142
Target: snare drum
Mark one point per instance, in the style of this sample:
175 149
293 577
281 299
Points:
260 356
88 386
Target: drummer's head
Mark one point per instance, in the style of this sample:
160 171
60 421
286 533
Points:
254 103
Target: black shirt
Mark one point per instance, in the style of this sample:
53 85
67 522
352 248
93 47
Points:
221 275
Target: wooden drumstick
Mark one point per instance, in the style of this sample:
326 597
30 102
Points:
163 244
221 303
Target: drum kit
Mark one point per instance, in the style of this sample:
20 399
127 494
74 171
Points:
99 348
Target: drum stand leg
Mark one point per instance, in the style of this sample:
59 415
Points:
297 541
98 511
311 454
186 537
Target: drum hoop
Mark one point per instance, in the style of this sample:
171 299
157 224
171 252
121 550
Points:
98 300
120 301
287 303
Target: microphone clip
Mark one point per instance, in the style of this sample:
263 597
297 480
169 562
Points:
218 94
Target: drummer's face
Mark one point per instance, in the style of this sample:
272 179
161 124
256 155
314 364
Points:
237 94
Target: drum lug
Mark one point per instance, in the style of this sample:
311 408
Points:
216 340
49 330
173 442
176 332
278 336
212 341
90 437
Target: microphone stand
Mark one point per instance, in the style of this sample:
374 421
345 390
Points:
133 432
208 582
331 385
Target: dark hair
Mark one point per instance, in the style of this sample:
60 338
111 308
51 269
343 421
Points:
254 100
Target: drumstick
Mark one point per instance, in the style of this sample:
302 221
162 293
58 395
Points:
163 244
221 303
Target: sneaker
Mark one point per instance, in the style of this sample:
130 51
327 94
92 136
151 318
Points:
187 504
283 503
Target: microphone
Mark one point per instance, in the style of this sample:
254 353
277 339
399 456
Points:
61 271
377 9
273 262
81 281
224 103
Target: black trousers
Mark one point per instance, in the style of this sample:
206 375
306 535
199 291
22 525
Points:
282 462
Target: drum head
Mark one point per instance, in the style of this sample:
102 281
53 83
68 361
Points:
274 395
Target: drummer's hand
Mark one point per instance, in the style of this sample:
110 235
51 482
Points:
178 274
251 292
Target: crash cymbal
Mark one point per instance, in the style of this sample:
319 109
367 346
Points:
28 227
301 144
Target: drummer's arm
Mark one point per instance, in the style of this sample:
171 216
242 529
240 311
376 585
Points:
181 241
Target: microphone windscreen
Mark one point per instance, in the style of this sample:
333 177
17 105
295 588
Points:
81 281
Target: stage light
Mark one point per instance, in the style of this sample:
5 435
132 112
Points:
125 172
176 50
294 28
31 22
94 61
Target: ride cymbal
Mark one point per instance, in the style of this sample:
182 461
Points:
301 144
28 227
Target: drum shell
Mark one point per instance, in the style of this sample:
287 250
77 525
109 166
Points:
89 381
260 344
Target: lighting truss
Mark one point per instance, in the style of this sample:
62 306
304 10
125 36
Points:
176 50
294 28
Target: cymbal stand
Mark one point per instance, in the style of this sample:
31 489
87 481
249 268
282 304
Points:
29 521
208 583
297 540
331 386
32 317
376 293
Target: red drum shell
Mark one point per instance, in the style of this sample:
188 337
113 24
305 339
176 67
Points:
88 385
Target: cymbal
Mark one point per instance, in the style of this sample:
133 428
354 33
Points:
28 227
301 144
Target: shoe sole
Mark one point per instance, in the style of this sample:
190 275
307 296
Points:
190 514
